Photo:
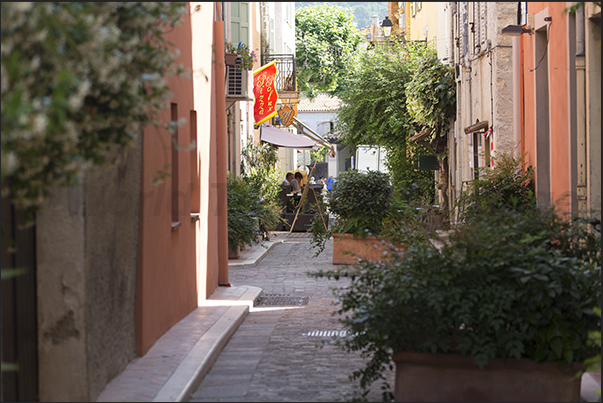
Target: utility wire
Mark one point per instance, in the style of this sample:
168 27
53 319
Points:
545 51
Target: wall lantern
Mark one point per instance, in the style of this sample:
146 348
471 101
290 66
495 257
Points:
386 26
515 30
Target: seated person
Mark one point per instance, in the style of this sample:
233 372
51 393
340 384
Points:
296 182
288 179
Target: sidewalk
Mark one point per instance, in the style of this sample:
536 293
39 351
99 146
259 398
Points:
175 366
177 363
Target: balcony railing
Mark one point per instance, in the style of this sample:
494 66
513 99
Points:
285 77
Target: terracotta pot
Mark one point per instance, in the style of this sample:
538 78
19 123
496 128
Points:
230 59
369 248
457 378
233 251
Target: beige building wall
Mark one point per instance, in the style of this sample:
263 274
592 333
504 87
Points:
484 88
422 16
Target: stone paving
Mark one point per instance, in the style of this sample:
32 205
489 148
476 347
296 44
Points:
286 354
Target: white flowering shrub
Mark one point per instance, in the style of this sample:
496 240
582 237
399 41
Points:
78 79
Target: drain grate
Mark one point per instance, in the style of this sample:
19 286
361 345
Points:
281 300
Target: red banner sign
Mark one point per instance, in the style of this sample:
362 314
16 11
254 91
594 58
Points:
264 91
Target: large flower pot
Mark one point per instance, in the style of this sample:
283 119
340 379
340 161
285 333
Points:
233 251
457 378
347 249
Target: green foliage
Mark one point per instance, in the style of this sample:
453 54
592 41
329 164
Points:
510 284
319 155
325 39
593 364
392 93
506 185
373 107
409 184
320 234
362 10
572 9
258 168
247 55
431 96
78 80
244 206
361 201
404 225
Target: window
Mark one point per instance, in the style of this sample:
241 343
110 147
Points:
195 196
239 22
175 212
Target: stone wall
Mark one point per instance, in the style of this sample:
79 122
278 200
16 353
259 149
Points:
87 245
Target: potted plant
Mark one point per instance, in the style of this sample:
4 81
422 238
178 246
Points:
361 203
501 312
243 215
241 52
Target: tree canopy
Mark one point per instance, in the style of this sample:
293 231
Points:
362 11
326 38
391 92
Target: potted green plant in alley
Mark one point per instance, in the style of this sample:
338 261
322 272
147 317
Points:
240 51
501 312
362 206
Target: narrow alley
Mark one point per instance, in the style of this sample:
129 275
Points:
275 354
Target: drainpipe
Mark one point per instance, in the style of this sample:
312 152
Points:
581 111
516 98
222 156
467 82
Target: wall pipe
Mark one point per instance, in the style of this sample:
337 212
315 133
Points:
516 97
581 188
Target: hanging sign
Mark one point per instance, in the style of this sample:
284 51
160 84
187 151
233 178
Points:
264 91
287 113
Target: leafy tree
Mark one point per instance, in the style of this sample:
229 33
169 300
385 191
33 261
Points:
78 79
362 10
325 40
431 102
376 105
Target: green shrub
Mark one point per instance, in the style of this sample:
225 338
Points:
244 206
258 168
361 200
363 204
507 185
510 283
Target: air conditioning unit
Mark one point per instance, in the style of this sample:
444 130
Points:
236 81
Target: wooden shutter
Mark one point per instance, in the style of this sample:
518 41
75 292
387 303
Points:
239 22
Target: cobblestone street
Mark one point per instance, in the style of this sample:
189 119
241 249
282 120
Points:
285 353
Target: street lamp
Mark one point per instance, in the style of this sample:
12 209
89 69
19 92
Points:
515 30
386 27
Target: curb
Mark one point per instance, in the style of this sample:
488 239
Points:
257 253
193 368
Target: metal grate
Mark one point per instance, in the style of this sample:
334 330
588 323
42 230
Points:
285 76
236 80
281 300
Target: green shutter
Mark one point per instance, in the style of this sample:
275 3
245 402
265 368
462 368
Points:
239 22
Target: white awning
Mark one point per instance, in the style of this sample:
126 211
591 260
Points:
311 134
283 138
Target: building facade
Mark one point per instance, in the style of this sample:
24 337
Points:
558 75
135 247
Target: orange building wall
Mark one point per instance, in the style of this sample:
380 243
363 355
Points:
167 277
558 100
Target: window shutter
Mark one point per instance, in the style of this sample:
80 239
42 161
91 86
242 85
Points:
482 24
239 22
